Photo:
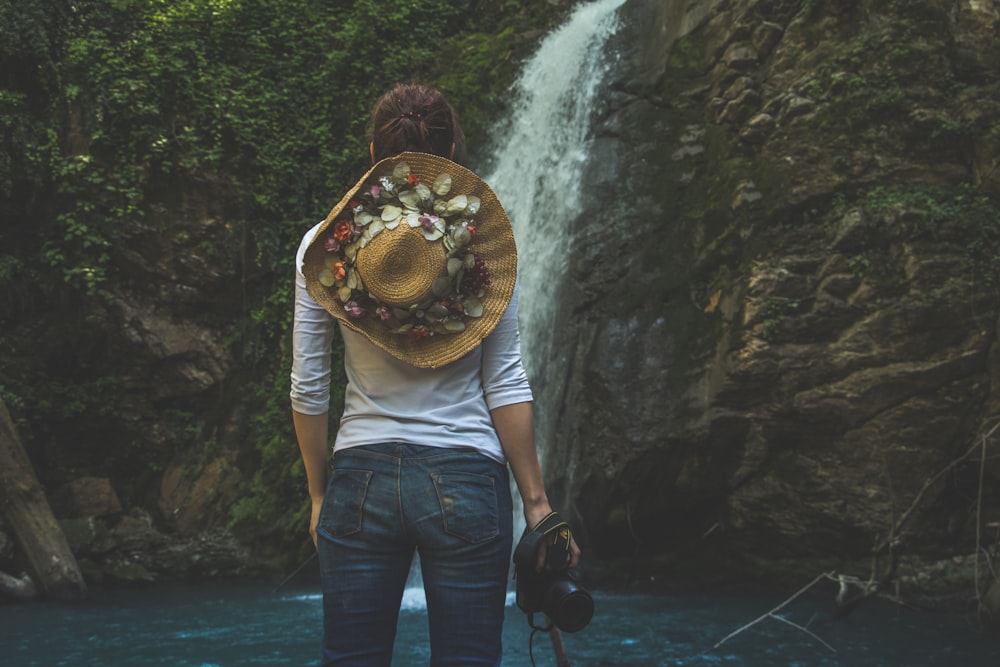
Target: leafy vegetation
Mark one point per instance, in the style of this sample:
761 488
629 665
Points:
961 220
939 210
121 119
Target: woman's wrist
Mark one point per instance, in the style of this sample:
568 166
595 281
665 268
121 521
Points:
536 510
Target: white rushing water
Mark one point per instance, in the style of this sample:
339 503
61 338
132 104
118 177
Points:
536 172
537 168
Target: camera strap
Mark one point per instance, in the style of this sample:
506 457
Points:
557 535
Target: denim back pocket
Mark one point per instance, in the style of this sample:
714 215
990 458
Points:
468 505
343 505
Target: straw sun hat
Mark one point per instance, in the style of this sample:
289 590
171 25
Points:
418 256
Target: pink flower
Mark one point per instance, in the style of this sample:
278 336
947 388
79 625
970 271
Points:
383 313
375 191
353 309
331 244
428 221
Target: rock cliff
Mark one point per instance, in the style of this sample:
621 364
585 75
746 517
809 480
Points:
778 337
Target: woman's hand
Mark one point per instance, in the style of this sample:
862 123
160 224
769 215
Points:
317 505
534 514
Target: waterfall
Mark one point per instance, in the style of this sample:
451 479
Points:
536 172
538 166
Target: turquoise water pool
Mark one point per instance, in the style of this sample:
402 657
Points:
246 625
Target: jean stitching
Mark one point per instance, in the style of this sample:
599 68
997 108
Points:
444 451
359 525
444 515
399 497
358 451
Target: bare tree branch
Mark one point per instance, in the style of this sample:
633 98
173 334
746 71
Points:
772 614
930 482
979 528
803 629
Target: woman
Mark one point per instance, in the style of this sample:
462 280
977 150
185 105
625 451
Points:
417 266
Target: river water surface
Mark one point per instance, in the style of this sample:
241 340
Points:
249 625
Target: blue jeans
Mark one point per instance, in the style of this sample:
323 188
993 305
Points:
383 501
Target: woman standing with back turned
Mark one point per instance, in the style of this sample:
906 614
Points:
417 265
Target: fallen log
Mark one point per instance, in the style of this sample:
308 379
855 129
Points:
51 562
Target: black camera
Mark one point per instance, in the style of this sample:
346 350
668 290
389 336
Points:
553 591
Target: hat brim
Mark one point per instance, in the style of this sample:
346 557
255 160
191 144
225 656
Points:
493 242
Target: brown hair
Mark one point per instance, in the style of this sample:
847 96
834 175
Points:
414 117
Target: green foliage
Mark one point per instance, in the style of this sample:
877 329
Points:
114 113
859 265
940 204
876 77
275 505
776 311
686 60
960 215
486 59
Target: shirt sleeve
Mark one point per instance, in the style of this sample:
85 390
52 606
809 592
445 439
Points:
312 340
504 379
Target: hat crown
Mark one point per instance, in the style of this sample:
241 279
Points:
398 267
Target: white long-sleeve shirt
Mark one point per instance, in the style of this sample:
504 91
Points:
388 400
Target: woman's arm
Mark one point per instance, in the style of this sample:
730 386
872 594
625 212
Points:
312 337
311 432
515 425
508 396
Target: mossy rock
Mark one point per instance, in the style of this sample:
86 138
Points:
83 535
125 572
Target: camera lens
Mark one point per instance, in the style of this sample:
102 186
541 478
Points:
569 606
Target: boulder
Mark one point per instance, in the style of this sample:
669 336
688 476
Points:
86 497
